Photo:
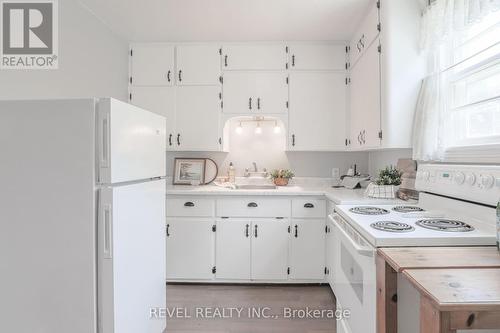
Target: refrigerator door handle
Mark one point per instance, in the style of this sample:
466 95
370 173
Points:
107 232
105 141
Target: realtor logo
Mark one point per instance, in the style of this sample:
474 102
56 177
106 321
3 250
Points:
29 34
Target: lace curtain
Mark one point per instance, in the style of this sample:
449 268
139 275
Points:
441 21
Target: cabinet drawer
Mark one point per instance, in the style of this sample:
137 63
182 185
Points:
253 207
190 207
308 208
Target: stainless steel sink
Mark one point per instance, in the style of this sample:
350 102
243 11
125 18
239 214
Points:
256 187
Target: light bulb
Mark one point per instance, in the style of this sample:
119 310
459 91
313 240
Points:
239 129
277 128
258 129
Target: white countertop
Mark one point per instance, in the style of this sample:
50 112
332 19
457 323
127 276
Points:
337 195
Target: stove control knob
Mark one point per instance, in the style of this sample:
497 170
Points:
487 181
470 179
459 178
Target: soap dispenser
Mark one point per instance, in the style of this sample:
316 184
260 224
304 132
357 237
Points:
231 173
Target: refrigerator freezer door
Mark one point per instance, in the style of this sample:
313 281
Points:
131 255
47 216
131 142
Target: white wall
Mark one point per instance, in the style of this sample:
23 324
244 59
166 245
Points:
268 151
380 159
92 62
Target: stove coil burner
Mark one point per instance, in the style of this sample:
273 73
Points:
368 210
407 209
392 226
445 225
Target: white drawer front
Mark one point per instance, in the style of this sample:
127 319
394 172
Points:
188 206
308 208
253 207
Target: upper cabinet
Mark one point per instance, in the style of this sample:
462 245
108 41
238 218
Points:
317 114
317 56
255 92
253 57
198 64
386 69
365 34
152 65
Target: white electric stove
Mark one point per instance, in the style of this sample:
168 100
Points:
456 208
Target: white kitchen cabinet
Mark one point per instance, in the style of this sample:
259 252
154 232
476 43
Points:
307 249
255 92
330 250
317 111
197 118
365 100
253 56
189 249
198 64
307 56
270 249
160 100
385 81
366 34
232 250
152 64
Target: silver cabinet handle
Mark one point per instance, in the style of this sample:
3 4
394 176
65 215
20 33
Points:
293 140
225 60
250 103
180 75
247 232
363 136
258 103
168 76
255 230
293 60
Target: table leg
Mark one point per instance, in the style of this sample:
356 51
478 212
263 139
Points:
432 320
387 297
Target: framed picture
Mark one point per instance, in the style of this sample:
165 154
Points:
189 171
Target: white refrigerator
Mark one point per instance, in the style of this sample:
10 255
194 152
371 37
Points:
82 217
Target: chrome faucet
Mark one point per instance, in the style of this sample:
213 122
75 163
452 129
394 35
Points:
255 167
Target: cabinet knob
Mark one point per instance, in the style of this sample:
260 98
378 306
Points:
308 205
258 103
252 205
178 139
293 60
168 76
180 75
225 60
255 230
189 204
296 231
168 230
293 140
247 230
250 103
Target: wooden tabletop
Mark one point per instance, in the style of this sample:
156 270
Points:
458 289
441 257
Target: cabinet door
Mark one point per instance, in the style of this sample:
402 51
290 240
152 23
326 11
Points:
365 99
270 249
317 57
307 249
365 35
239 91
318 106
197 118
160 100
253 57
271 92
152 65
190 248
330 258
198 64
232 250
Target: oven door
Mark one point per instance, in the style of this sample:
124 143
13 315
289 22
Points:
355 276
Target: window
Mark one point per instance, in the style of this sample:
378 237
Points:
458 116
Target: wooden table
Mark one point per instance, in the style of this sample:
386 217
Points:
391 261
453 299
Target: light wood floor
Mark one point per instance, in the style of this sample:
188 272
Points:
193 297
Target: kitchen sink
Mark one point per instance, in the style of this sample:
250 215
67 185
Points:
256 187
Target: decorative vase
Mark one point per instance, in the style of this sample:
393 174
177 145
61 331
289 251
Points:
281 181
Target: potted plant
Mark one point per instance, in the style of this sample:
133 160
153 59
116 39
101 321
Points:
281 177
387 183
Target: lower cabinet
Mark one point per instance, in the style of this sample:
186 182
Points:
255 249
190 248
307 249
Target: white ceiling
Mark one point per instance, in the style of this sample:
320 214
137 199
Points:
229 20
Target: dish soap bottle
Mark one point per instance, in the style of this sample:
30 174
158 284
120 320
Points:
231 173
498 225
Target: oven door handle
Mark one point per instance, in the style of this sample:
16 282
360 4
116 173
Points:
364 251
